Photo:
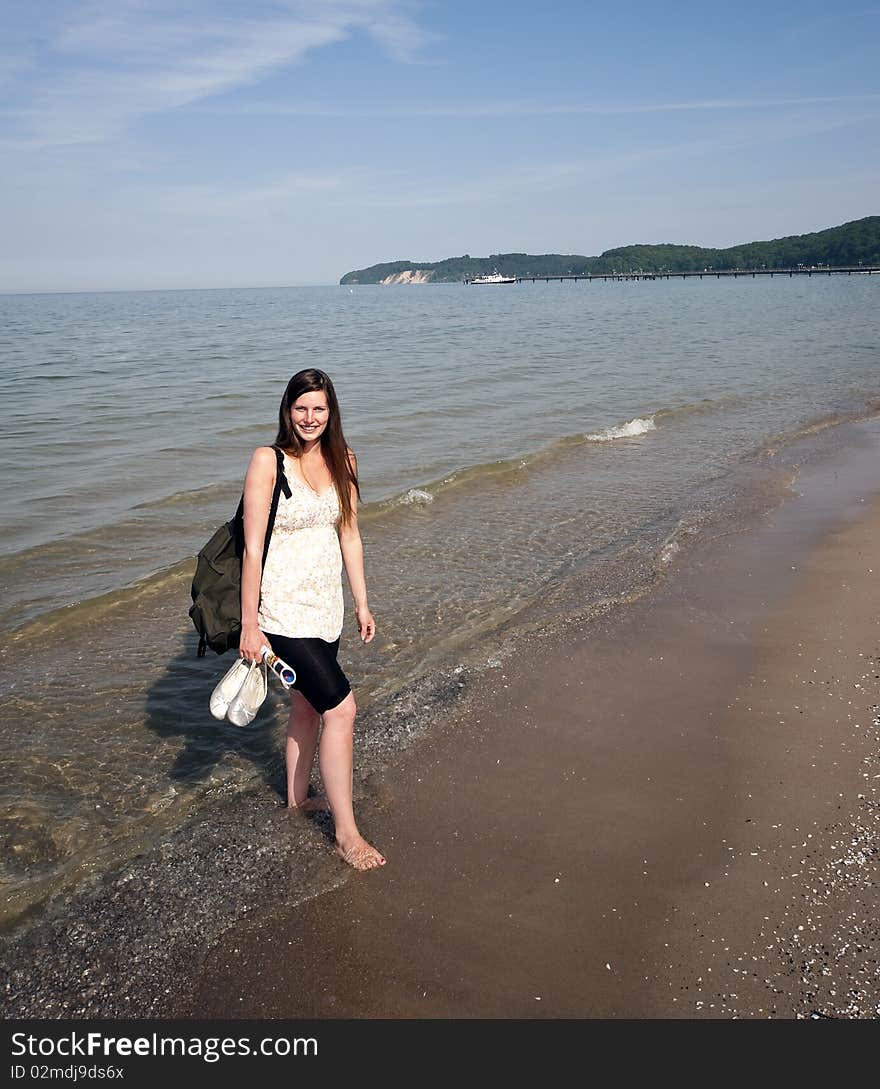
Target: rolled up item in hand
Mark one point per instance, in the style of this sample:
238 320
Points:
285 673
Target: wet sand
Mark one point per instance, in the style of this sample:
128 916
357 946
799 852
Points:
671 813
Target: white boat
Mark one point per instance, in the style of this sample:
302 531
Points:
493 278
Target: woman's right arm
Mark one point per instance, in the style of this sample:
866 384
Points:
258 485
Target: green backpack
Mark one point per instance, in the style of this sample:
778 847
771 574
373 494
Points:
216 585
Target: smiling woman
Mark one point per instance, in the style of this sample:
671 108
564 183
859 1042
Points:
295 605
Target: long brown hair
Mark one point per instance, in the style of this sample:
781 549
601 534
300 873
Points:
337 455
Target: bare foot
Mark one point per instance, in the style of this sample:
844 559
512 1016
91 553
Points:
317 804
360 854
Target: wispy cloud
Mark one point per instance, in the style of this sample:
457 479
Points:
98 68
216 202
400 35
281 194
524 108
365 187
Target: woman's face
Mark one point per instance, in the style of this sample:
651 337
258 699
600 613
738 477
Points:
310 415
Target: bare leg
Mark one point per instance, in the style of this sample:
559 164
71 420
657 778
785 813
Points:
336 759
302 741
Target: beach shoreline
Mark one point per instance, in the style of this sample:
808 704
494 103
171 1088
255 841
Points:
488 516
679 819
560 848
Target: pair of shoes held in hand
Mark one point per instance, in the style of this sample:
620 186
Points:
240 693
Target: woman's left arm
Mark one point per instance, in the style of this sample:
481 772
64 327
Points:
352 548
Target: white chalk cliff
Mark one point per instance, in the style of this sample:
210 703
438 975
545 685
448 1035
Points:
411 276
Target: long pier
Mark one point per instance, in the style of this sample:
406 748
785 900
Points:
719 274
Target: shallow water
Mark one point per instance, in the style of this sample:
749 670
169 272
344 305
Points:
526 454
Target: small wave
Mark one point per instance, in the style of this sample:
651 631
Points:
772 447
428 491
72 615
208 493
639 426
706 404
505 470
415 495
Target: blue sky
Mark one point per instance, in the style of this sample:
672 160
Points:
151 144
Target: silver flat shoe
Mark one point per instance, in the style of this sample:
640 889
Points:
244 707
228 688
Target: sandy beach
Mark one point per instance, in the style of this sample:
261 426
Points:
674 814
668 811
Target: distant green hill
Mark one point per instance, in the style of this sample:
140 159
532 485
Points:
848 244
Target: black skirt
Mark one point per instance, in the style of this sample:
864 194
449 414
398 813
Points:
318 674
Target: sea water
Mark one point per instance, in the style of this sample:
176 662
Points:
528 454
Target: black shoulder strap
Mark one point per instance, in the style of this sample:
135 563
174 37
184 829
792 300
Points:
282 476
281 485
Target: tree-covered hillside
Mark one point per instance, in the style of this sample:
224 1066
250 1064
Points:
850 244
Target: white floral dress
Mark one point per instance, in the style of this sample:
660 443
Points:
301 589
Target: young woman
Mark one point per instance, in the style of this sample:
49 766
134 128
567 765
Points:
295 604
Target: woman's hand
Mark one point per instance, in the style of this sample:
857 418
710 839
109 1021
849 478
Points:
252 641
365 622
